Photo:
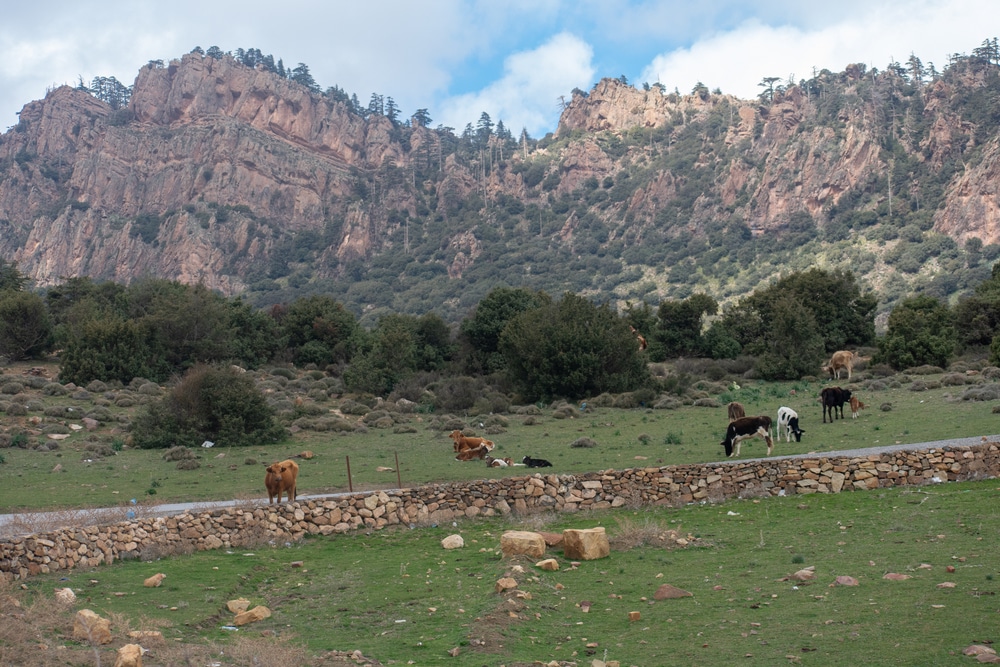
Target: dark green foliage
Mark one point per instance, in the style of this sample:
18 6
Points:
571 349
844 317
325 323
921 330
10 277
977 317
678 329
108 349
25 325
146 227
255 336
492 314
209 403
794 347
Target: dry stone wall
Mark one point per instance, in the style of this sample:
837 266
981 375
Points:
252 524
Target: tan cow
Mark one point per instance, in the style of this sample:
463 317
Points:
842 359
281 478
463 442
736 411
856 406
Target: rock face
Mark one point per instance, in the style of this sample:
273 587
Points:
586 543
226 175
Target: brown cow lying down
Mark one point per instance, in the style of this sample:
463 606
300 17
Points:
472 454
281 478
469 442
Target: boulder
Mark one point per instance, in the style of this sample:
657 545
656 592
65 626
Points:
586 543
258 613
154 581
668 592
505 584
522 543
238 606
89 627
65 595
129 655
453 542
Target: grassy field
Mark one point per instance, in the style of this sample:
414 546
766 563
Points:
75 475
400 598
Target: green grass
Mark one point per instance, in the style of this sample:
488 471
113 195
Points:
626 438
398 596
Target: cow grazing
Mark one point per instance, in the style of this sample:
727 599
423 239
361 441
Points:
841 360
736 411
535 463
833 399
788 421
472 454
281 478
463 442
745 428
856 406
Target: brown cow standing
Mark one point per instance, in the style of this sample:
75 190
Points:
281 478
843 359
736 411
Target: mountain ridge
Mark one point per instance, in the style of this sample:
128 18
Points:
253 184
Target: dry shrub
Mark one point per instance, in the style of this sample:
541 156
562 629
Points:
188 464
178 453
583 443
632 533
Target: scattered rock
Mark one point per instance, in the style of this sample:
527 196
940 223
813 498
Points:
551 539
844 580
130 655
586 543
453 542
238 606
634 615
89 627
306 455
65 595
522 543
549 565
805 574
154 581
148 636
258 613
893 576
668 592
90 423
505 584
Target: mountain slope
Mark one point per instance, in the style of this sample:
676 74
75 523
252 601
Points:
251 183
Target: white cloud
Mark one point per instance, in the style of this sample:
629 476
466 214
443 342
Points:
737 61
528 93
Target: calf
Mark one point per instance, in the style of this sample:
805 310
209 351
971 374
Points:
736 411
281 478
856 406
472 454
745 428
535 463
788 421
498 463
833 398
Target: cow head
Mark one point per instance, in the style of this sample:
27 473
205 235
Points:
728 444
277 470
796 431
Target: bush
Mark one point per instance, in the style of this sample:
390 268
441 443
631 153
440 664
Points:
209 403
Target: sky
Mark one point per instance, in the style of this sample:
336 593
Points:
516 60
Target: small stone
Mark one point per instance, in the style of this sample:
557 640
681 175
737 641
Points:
504 584
65 595
634 615
549 564
238 606
258 613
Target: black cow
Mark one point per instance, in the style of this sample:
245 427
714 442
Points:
535 463
745 428
833 398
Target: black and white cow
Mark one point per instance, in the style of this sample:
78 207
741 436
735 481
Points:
833 398
744 429
788 421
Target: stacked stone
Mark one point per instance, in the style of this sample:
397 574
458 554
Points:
92 546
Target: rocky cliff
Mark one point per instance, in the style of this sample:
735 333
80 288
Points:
238 178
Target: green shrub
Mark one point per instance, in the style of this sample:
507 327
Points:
209 403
